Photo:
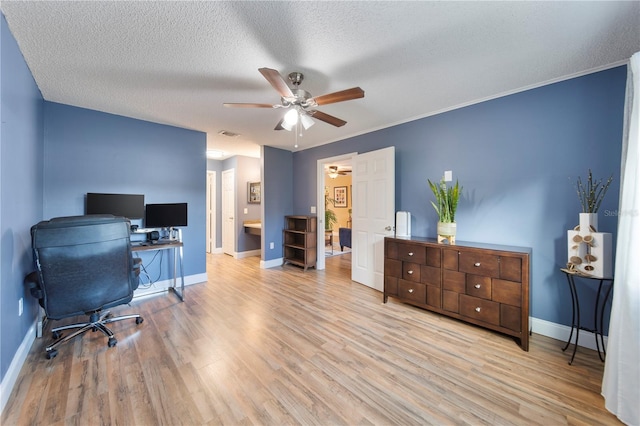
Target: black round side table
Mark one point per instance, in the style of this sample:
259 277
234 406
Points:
598 312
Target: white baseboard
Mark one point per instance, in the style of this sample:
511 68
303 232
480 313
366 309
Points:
10 378
250 253
562 332
266 264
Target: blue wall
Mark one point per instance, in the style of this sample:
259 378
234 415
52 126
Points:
517 158
278 173
91 151
21 165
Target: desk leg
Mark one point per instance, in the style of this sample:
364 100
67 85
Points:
179 255
575 317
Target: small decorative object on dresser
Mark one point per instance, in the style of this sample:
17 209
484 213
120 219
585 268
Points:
482 284
446 205
589 252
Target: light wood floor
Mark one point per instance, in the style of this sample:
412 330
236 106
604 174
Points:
282 346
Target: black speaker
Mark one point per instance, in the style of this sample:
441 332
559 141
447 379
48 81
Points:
153 236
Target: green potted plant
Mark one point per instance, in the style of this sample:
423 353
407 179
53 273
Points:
446 205
330 218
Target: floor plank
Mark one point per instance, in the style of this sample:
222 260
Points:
285 346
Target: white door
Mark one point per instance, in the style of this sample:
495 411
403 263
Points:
229 211
373 214
211 211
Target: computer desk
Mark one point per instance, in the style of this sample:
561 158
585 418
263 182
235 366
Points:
174 245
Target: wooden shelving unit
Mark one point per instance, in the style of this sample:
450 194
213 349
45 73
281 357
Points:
300 241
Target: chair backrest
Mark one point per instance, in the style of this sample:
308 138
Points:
84 263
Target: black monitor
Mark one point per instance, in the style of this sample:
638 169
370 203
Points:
165 215
130 206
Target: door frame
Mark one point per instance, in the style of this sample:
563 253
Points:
320 262
212 208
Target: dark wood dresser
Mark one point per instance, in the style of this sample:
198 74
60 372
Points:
482 284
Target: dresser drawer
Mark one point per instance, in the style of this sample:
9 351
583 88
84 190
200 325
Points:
412 253
507 292
411 271
392 268
478 286
510 317
430 275
480 309
415 292
479 263
391 285
453 281
511 268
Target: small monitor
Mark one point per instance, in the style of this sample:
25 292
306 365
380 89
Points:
130 206
165 215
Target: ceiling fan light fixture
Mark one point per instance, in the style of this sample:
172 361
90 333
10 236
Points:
290 119
306 121
333 175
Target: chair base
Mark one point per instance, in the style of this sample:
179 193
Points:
95 323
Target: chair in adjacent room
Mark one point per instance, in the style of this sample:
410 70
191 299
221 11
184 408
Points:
345 238
83 266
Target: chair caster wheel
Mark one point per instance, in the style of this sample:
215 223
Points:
52 353
139 320
112 342
56 335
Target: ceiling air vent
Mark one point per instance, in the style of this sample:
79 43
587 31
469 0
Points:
228 133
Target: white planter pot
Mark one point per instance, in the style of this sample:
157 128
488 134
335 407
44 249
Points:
447 232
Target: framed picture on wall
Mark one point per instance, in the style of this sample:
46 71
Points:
254 193
340 195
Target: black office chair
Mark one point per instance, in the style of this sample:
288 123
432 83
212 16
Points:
83 266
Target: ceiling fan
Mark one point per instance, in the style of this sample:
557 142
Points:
334 171
300 101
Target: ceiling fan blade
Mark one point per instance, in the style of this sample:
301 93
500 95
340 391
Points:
344 95
334 121
243 105
276 80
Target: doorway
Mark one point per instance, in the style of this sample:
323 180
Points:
342 162
373 183
228 212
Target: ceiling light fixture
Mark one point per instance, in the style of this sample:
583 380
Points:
333 174
214 153
293 116
290 119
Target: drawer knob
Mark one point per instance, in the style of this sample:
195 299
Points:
476 264
477 286
410 272
410 290
478 309
410 253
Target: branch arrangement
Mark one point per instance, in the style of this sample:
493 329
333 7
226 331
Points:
591 193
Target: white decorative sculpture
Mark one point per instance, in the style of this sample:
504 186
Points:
588 251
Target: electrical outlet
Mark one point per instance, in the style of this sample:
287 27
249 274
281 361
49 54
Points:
20 307
448 176
313 209
271 246
246 210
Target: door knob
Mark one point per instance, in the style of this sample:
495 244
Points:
388 228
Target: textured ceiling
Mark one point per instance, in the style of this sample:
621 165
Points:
178 62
